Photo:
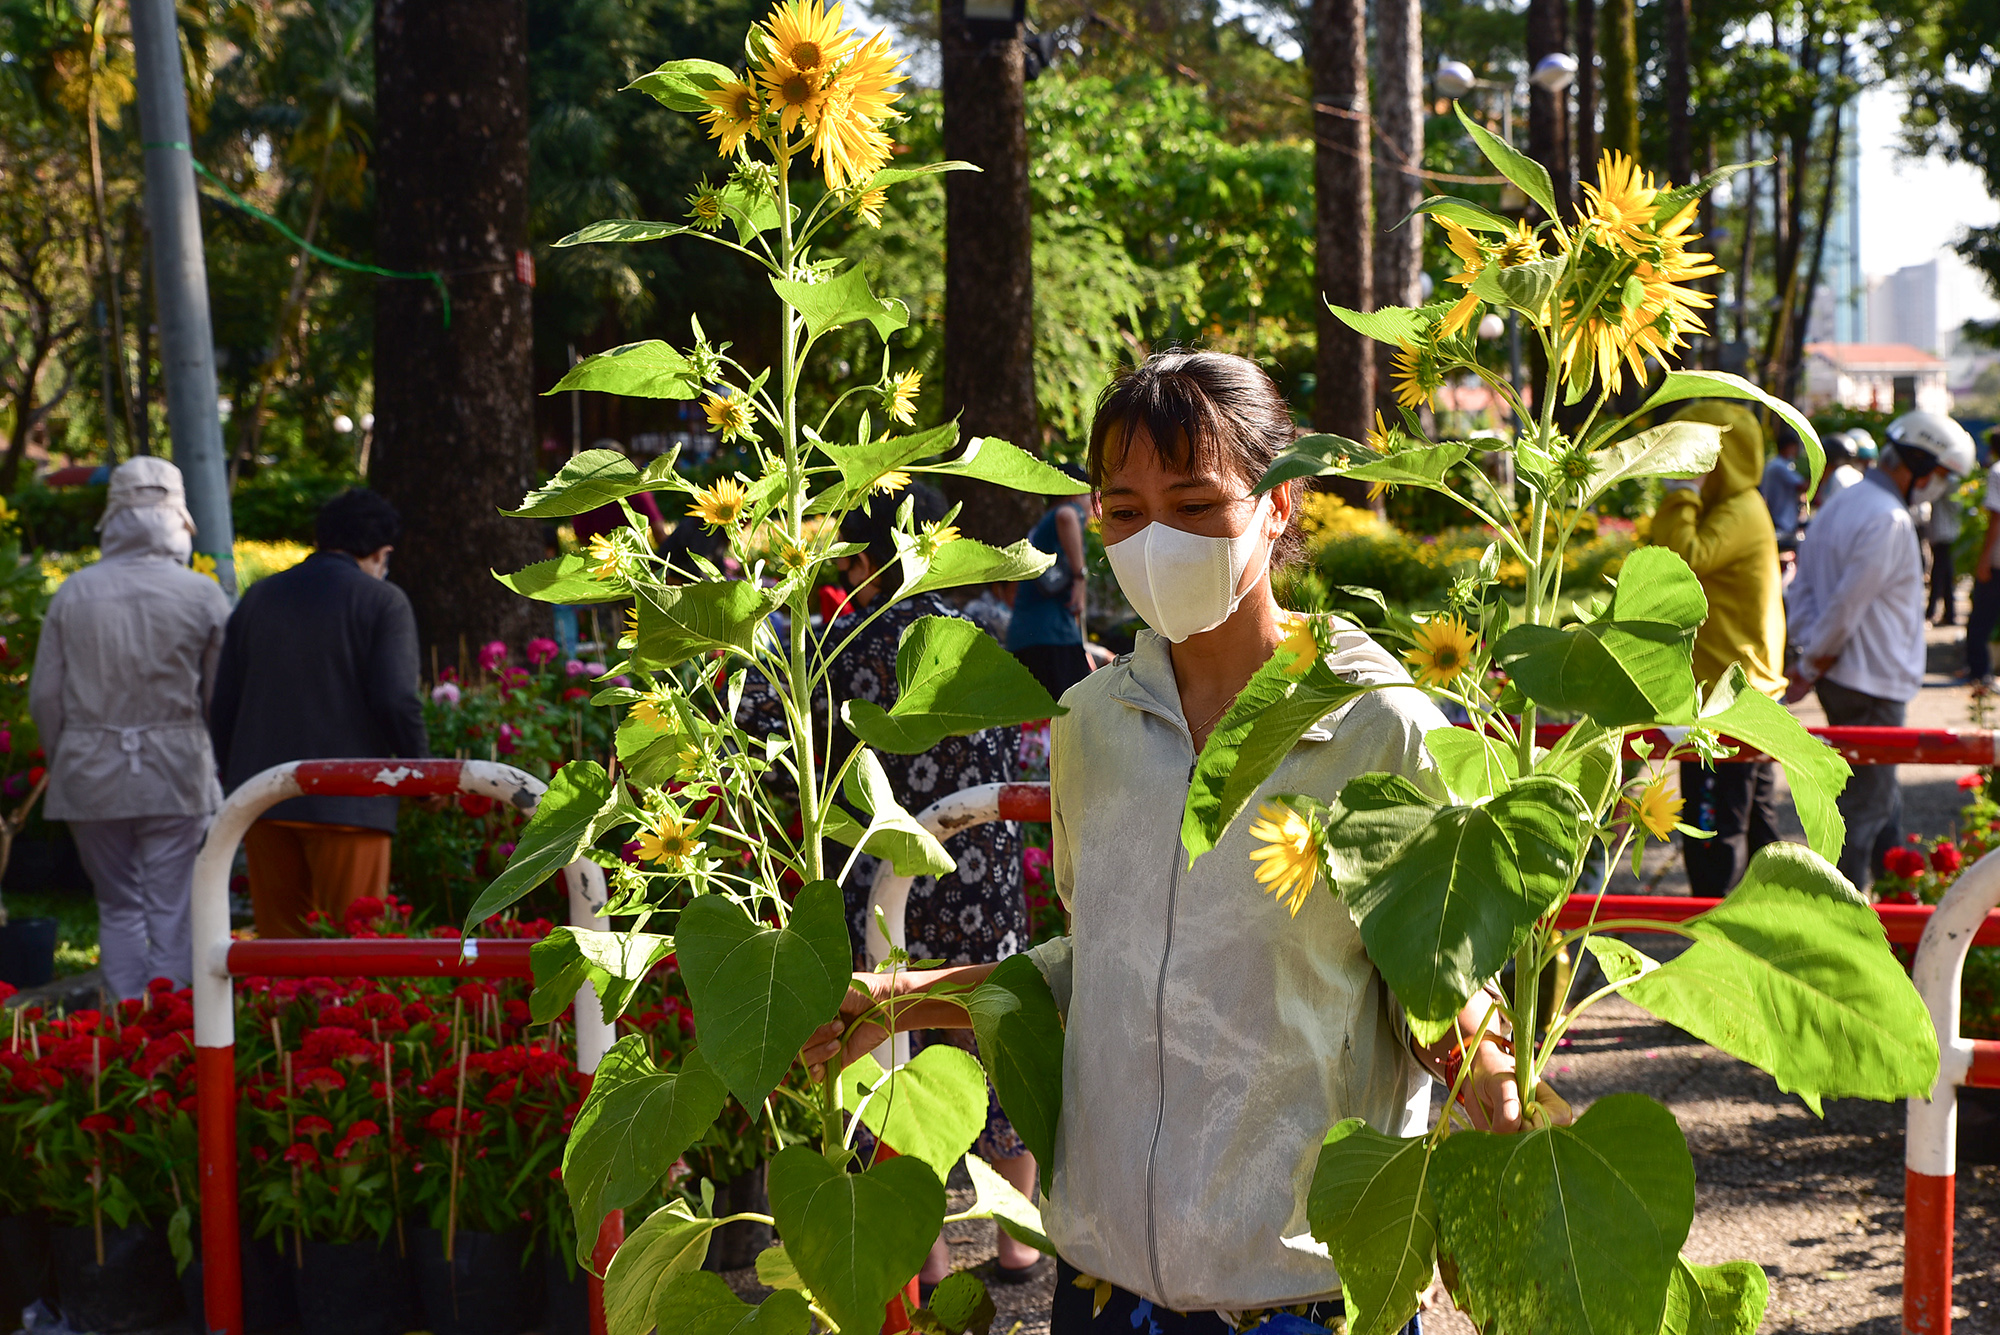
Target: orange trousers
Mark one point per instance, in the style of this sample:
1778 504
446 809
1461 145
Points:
299 866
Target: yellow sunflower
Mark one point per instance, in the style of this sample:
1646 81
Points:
1289 859
806 37
653 710
1417 376
1621 203
1473 256
1302 645
891 482
793 94
720 505
1443 650
669 841
870 78
933 536
847 143
730 415
869 206
1657 810
705 209
734 109
900 399
610 561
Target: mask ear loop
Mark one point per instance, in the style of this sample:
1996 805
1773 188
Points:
1270 547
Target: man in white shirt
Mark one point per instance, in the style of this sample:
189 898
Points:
1841 472
1857 614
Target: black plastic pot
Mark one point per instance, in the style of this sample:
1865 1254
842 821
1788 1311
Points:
135 1288
356 1288
565 1297
1979 1126
24 1263
734 1246
270 1302
28 951
486 1288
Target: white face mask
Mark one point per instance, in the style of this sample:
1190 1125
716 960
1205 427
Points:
1935 484
1182 583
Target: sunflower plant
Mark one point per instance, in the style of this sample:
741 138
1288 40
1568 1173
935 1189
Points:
727 874
1498 857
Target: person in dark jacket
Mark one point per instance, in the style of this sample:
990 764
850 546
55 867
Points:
319 662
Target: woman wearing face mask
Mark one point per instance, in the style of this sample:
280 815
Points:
1212 1039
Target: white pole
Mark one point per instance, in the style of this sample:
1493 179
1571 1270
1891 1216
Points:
587 897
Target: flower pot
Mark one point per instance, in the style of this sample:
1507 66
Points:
565 1296
1978 1126
24 1263
735 1246
269 1299
135 1288
356 1288
486 1288
28 951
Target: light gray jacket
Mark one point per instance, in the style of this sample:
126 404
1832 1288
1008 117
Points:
1211 1038
122 673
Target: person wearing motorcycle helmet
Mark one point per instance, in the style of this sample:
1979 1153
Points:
1843 467
1856 614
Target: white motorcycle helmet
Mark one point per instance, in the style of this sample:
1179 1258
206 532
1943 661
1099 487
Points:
1948 445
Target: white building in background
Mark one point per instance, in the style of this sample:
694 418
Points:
1877 377
1903 307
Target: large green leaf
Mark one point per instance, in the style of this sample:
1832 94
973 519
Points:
1423 466
1726 1299
1021 1044
1395 325
1473 765
1446 909
579 805
889 176
1272 711
841 300
964 562
1633 665
565 579
1006 464
1567 1230
1512 163
862 466
1815 771
648 370
679 84
671 1243
1792 973
622 230
1371 1205
591 479
931 1108
856 1238
1464 212
636 1120
1675 449
1669 202
679 622
1525 287
758 991
891 832
614 963
953 679
1318 455
1681 385
702 1303
997 1198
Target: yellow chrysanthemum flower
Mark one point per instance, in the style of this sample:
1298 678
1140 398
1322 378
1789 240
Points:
1416 376
1288 862
735 109
669 841
730 415
807 38
1443 650
891 482
869 206
1621 203
934 536
720 505
204 564
1657 809
900 399
1302 645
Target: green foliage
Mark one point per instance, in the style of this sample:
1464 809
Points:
1021 1044
931 1108
1371 1205
953 680
701 1303
639 1282
856 1238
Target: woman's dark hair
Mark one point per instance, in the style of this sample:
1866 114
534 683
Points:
872 524
1199 412
358 522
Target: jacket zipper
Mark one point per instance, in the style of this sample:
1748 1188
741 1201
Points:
1160 1049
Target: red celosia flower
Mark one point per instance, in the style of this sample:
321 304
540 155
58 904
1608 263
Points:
313 1125
98 1122
301 1154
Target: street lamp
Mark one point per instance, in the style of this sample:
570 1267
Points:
995 20
1554 73
1454 78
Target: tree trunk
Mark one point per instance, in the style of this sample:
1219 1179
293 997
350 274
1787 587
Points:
989 280
1749 255
1344 395
454 430
111 273
1620 42
1789 204
1799 314
1399 126
291 313
1680 128
1586 88
1548 113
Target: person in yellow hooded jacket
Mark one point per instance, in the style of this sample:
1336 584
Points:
1721 527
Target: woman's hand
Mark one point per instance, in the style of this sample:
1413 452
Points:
844 1035
1492 1098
